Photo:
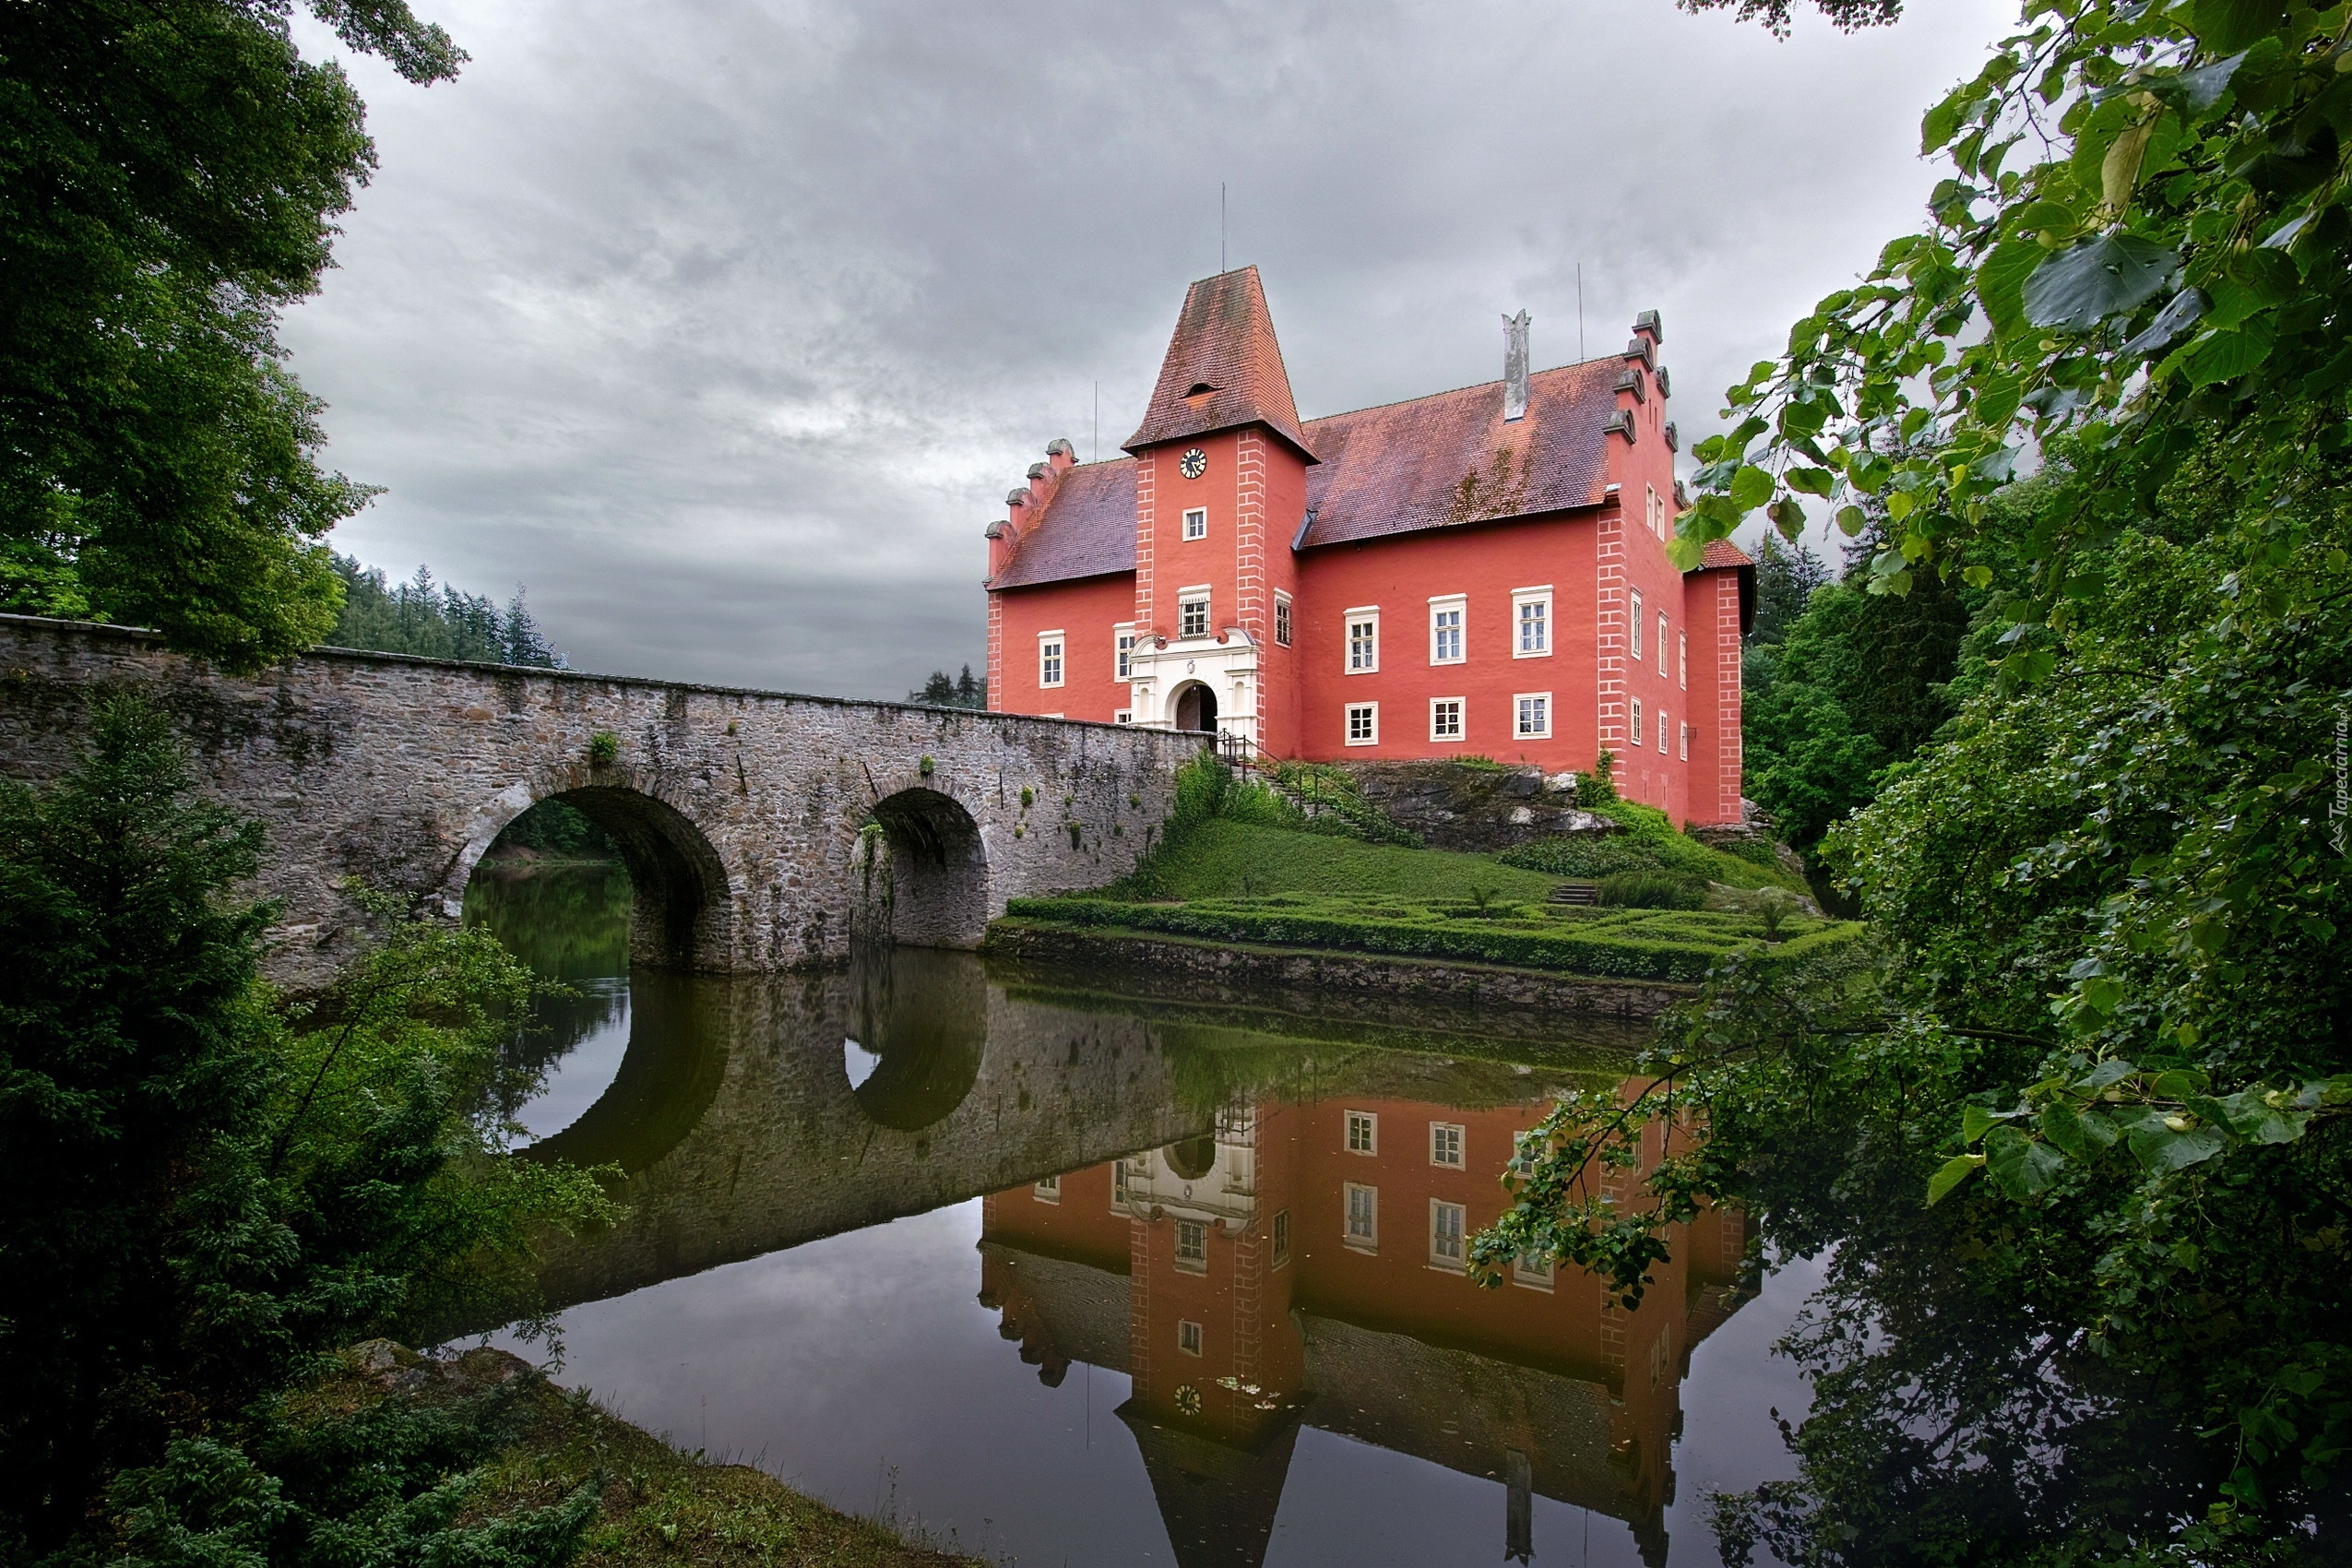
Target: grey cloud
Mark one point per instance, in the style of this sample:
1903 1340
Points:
727 327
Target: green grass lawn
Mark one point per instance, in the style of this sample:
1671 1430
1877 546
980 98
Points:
1220 859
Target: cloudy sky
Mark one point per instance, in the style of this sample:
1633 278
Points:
725 327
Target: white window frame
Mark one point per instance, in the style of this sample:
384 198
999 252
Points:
1119 1173
1534 1273
1657 514
1662 644
1198 593
1367 1123
1519 728
1369 1241
1664 748
1520 600
1122 651
1634 621
1123 716
1188 1335
1282 617
1686 742
1279 1238
1461 722
1048 1190
1347 728
1635 728
1456 1261
1052 660
1197 1262
1195 523
1447 1138
1457 605
1367 615
1682 657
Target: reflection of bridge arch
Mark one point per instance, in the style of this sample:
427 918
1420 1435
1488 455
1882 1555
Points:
925 1015
679 1038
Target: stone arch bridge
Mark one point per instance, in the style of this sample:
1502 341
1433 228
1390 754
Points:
762 830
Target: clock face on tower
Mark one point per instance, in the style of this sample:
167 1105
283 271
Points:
1195 463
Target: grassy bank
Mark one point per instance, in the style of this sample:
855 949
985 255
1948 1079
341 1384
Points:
1220 859
659 1505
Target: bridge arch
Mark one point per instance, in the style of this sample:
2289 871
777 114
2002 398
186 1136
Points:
927 871
682 894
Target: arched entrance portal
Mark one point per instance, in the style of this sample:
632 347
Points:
926 873
1196 708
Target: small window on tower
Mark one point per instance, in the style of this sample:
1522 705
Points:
1282 619
1635 622
1196 523
1192 616
1192 1245
1049 660
1188 1336
1123 650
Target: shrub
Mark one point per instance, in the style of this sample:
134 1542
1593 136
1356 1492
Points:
604 749
1654 890
1581 855
1599 788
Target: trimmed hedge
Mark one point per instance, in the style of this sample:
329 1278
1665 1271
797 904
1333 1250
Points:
1615 949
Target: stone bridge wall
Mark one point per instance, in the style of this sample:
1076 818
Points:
740 811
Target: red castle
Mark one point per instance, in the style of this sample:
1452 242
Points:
1481 572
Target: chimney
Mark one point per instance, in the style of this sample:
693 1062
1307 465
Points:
1514 367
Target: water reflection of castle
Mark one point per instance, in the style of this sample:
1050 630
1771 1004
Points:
1305 1266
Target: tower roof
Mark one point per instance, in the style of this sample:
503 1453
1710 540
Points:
1224 368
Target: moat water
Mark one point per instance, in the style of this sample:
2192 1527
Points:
1035 1270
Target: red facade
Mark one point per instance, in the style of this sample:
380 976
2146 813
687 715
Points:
1481 572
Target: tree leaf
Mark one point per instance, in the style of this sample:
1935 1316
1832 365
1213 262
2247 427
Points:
2023 1166
2226 356
1751 488
2000 283
2172 324
1951 1174
2078 289
2119 170
1812 481
2228 26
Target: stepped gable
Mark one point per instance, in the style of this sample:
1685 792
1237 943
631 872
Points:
1087 529
1438 461
1223 369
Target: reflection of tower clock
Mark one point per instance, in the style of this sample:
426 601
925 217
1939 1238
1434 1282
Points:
1188 1399
1195 463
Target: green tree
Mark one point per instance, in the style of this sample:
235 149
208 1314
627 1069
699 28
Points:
435 621
171 170
1786 576
942 689
203 1189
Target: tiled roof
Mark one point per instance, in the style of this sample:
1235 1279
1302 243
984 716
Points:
1451 458
1224 346
1085 529
1722 553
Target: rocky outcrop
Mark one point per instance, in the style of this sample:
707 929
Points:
1458 805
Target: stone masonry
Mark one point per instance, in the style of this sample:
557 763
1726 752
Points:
743 814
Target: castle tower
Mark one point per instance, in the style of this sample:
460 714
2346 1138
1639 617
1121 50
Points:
1220 489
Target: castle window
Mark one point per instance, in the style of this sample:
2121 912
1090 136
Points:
1363 723
1281 1234
1363 1217
1534 716
1192 1245
1445 629
1282 619
1122 653
1661 731
1682 657
1123 715
1049 658
1445 719
1531 623
1191 613
1657 512
1662 644
1634 731
1532 1270
1686 742
1446 1145
1634 621
1363 641
1363 1133
1444 1234
1188 1336
1118 1184
1048 1190
1196 523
